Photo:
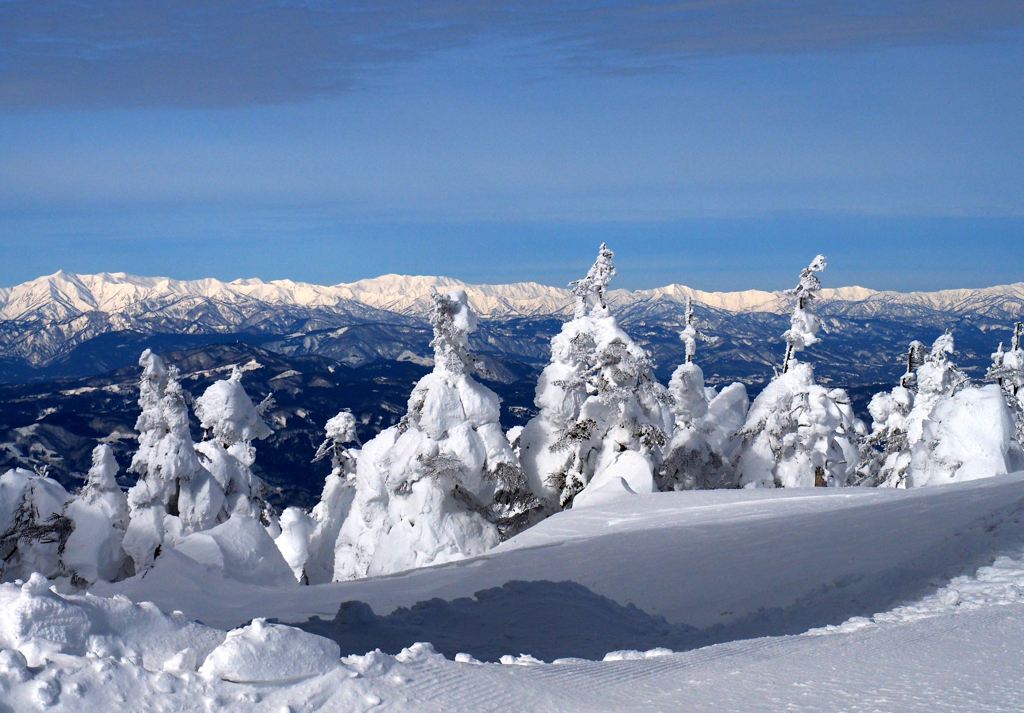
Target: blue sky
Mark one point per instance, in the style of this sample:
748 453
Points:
715 143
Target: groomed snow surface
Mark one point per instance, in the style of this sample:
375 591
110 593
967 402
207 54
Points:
861 599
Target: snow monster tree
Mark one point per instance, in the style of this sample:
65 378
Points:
603 416
174 495
798 433
702 450
442 484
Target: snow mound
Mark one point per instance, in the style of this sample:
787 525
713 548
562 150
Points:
637 655
966 436
242 549
629 473
39 624
271 653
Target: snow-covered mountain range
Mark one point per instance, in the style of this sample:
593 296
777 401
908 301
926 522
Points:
65 295
46 318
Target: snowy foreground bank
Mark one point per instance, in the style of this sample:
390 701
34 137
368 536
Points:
816 599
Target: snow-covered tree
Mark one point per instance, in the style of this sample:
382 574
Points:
99 515
689 397
175 495
33 528
690 460
1007 371
967 434
938 375
804 322
603 416
885 452
599 276
231 422
332 510
798 433
1007 368
690 334
914 358
427 490
943 431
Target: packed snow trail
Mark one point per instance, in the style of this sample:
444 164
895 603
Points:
732 564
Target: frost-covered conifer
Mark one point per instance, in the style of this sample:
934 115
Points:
944 431
915 358
938 375
804 322
798 433
699 454
332 510
885 453
898 416
231 422
99 514
175 495
1007 371
33 528
603 416
429 489
599 276
957 431
967 434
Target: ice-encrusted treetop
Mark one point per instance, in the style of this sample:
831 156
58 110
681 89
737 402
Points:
65 295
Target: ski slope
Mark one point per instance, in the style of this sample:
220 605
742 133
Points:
814 600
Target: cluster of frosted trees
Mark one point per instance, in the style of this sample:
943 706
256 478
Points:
446 482
186 492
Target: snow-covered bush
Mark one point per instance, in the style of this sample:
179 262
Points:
885 452
294 542
33 528
99 515
175 495
231 422
442 483
45 529
798 433
597 400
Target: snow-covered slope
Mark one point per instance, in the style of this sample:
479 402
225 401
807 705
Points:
754 562
863 600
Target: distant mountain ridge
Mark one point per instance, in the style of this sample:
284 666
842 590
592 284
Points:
67 325
66 295
66 340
